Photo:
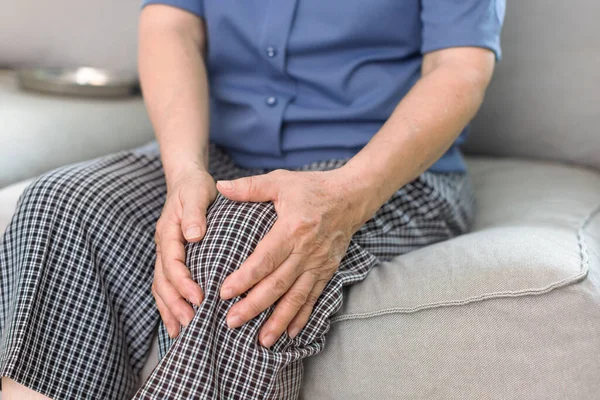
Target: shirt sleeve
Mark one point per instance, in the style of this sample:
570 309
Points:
459 23
193 6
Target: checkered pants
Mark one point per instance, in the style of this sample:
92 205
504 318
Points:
77 317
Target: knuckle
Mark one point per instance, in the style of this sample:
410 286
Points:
268 262
326 262
278 173
185 196
259 272
278 323
311 299
312 220
158 272
178 283
278 286
253 309
179 306
306 224
297 226
160 222
167 274
335 258
296 299
332 266
322 282
154 290
248 183
183 318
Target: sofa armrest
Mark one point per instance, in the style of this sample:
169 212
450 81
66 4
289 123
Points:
40 132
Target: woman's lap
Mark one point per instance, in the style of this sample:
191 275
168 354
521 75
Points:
105 210
79 245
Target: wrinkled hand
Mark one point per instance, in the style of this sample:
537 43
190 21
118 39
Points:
183 219
317 214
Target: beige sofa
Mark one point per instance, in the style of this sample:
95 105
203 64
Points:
509 311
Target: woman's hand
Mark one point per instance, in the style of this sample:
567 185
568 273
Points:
317 214
183 220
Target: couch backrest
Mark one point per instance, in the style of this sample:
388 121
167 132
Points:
100 33
544 101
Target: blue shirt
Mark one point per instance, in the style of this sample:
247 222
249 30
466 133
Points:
298 81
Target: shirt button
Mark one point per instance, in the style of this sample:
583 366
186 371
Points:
271 101
271 51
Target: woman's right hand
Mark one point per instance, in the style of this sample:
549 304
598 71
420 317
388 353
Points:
183 219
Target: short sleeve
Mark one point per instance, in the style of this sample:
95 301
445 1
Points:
459 23
193 6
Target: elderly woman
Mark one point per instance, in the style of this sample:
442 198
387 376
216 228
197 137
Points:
333 138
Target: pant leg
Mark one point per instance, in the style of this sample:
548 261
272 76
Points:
76 263
210 361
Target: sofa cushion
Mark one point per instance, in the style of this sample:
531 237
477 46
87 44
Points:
544 100
400 333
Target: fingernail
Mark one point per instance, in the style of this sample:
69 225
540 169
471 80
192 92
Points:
234 321
195 301
226 293
294 331
227 185
269 340
193 232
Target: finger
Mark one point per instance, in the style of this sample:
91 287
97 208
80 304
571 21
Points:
256 189
286 309
301 319
267 292
173 301
269 254
167 317
172 253
193 216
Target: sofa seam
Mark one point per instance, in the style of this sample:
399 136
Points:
579 276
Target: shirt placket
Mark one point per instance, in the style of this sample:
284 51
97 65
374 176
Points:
279 89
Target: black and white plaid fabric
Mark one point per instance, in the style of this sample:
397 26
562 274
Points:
77 317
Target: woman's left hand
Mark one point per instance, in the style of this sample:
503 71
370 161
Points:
317 214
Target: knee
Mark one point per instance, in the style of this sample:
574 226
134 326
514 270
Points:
233 229
47 201
46 192
230 220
